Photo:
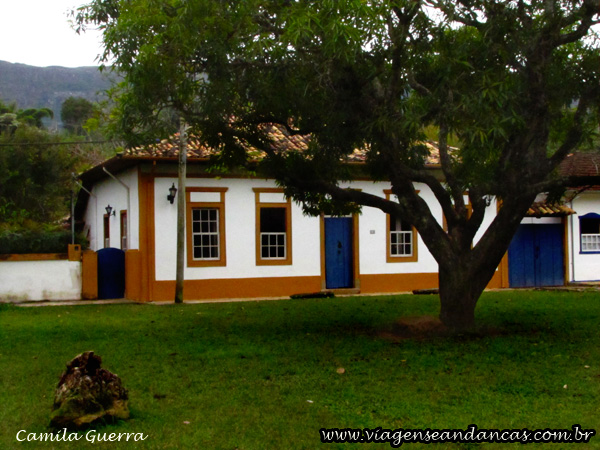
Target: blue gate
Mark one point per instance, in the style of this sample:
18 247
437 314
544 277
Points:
338 253
536 256
111 273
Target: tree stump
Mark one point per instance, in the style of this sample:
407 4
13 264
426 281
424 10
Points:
86 392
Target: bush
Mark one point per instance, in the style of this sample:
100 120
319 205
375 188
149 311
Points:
37 241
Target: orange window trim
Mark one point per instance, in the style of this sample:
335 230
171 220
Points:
123 226
397 258
220 206
288 224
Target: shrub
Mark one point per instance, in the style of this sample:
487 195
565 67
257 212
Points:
41 240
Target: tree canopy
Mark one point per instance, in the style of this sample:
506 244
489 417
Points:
11 117
516 83
74 113
36 167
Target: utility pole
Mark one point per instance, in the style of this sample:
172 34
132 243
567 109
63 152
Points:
181 210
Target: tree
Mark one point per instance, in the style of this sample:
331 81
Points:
515 82
74 113
11 117
35 176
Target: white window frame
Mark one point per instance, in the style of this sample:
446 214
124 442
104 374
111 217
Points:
208 234
401 243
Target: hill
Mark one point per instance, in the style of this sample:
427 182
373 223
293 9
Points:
49 87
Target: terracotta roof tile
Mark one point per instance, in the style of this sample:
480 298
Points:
281 141
542 209
581 164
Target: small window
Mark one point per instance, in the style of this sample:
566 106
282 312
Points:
401 238
273 233
273 227
589 230
123 230
106 231
205 217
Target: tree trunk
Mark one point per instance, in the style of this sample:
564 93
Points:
457 298
461 285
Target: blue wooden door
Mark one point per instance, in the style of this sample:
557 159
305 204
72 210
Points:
338 253
536 256
111 273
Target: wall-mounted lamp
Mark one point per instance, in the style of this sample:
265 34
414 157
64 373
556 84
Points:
172 192
109 211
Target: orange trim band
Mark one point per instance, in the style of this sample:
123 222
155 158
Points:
407 282
237 288
34 257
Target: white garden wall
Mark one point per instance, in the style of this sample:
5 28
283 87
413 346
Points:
40 280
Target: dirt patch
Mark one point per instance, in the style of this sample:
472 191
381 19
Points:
426 327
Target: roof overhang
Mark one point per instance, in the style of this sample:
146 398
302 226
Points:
542 209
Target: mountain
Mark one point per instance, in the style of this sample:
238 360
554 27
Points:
49 87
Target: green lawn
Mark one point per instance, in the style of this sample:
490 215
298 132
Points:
264 375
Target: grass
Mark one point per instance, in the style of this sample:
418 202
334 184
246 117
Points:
264 375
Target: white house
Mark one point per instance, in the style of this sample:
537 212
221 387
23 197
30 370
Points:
245 239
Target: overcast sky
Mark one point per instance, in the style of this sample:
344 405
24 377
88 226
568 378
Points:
38 33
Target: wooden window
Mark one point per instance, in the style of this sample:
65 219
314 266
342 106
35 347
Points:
106 231
273 227
401 238
123 220
205 217
589 231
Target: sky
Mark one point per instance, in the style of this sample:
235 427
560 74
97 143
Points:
38 33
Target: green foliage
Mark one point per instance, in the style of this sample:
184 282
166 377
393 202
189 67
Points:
36 165
11 117
75 112
35 176
359 74
37 238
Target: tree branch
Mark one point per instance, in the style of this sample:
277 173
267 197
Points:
574 134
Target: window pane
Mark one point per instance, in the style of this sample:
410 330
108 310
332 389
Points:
398 225
272 220
280 252
589 226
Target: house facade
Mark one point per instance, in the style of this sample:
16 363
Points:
244 239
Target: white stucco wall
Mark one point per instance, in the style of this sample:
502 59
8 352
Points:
582 266
110 192
39 280
240 234
306 234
